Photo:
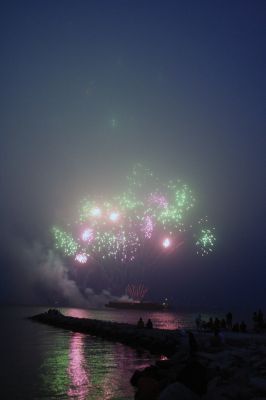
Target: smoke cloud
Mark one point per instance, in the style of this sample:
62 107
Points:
39 276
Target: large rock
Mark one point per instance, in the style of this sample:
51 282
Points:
218 389
258 398
148 388
194 376
259 384
177 391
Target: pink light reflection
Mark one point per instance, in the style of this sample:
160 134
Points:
123 357
79 379
78 313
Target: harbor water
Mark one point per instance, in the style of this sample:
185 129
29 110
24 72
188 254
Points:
43 362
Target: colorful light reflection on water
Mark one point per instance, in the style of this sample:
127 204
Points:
160 319
95 372
77 371
43 362
81 367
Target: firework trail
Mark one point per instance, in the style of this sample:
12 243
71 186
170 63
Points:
136 292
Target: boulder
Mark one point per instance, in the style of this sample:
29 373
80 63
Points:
259 384
148 388
194 376
177 391
219 389
258 398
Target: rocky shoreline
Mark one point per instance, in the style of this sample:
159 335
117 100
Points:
234 369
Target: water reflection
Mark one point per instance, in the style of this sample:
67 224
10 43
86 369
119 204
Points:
77 371
52 373
101 370
121 363
43 362
78 313
79 366
161 319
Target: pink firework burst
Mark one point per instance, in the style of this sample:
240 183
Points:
147 227
158 199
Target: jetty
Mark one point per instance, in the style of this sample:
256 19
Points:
157 341
234 369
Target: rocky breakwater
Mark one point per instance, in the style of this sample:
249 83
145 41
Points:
235 369
157 341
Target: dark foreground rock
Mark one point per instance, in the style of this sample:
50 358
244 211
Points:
235 370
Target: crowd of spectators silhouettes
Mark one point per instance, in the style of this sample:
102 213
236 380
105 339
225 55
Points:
216 324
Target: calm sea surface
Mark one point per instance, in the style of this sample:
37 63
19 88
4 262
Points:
42 362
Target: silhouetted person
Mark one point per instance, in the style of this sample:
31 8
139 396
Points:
260 319
243 327
193 345
223 324
140 323
217 324
198 322
149 324
216 339
229 320
210 324
54 312
204 325
255 321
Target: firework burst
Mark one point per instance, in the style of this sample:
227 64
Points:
136 292
206 238
119 227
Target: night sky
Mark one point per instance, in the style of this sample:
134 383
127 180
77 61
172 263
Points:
89 88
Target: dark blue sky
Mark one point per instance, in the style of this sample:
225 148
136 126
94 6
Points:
185 83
